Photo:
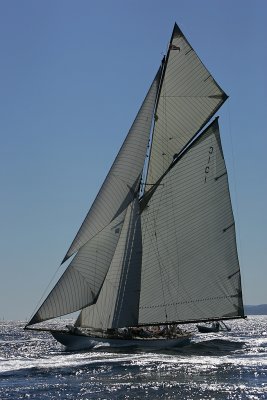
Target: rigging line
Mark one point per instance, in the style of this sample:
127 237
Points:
234 180
99 315
190 96
162 71
176 239
185 291
97 233
93 311
126 264
166 128
168 282
77 271
95 265
40 302
146 197
160 264
240 255
113 281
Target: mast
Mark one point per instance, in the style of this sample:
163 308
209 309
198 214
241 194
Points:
162 74
148 153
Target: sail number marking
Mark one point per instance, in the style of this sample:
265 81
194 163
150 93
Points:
207 168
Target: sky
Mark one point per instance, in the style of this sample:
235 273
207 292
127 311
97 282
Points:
72 77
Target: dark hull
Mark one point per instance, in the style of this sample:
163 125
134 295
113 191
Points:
79 342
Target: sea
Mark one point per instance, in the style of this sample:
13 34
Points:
225 365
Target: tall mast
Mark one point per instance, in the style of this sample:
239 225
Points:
149 146
164 62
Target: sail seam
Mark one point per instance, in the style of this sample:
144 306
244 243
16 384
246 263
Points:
188 301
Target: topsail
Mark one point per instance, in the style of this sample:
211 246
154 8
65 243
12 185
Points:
189 97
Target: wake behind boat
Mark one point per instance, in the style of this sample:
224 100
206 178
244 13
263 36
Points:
157 247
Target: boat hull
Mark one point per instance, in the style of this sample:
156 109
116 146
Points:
79 342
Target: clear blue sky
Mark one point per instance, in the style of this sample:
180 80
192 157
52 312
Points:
72 76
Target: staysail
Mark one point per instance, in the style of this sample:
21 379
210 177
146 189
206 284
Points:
190 268
189 97
118 301
80 284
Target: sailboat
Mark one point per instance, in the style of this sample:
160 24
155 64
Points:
157 248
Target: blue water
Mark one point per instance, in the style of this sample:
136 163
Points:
214 366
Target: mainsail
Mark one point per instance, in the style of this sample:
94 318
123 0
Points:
190 268
166 253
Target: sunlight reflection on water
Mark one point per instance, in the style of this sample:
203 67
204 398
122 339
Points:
221 366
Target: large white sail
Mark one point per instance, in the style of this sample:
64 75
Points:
190 268
189 97
123 177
